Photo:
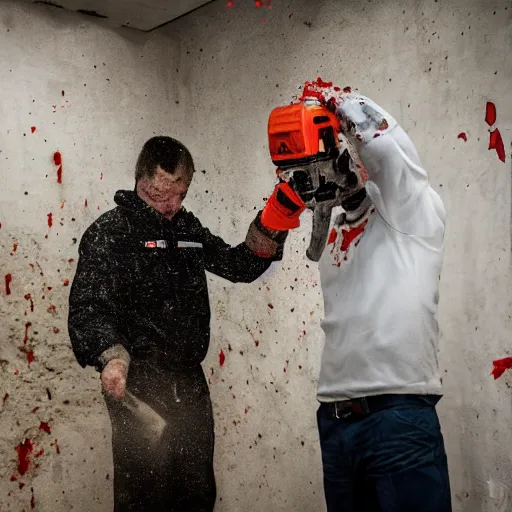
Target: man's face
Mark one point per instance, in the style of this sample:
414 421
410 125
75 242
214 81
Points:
165 192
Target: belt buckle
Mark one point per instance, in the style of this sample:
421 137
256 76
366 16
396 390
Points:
355 407
338 411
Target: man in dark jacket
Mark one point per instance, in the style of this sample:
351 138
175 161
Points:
139 312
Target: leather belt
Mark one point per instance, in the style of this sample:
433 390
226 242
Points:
359 408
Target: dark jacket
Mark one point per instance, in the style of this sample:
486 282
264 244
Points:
152 300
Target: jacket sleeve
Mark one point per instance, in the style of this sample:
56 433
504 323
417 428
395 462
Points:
93 319
397 182
247 261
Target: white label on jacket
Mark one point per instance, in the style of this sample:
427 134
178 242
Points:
183 245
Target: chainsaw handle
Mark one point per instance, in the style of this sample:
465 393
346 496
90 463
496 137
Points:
320 231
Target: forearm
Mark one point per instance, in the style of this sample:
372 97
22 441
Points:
118 352
265 242
382 146
397 182
246 261
93 336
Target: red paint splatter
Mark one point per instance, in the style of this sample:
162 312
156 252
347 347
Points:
332 237
62 204
13 478
300 367
56 444
34 410
66 283
56 330
32 500
85 203
4 400
246 410
16 372
257 343
29 297
347 89
33 129
490 113
222 358
24 450
500 365
230 3
463 136
50 220
496 142
14 247
57 160
63 93
314 90
39 453
350 235
270 306
257 3
30 356
8 281
101 176
27 327
45 427
52 309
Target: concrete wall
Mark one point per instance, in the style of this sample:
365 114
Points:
116 95
211 79
434 65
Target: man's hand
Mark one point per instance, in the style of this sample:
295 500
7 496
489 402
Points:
113 378
283 209
361 119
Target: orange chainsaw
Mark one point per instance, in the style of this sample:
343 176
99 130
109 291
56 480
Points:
304 143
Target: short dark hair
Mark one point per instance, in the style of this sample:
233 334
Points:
164 152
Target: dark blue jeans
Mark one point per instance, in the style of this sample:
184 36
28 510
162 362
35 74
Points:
392 460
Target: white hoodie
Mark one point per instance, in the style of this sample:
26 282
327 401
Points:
380 276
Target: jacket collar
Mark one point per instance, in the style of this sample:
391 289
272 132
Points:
144 213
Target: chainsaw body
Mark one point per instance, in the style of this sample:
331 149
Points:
304 144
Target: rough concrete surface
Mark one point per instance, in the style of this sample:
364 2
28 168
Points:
96 94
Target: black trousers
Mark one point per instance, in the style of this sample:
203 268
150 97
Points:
165 469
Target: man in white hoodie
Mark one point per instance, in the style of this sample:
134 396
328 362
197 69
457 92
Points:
382 446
